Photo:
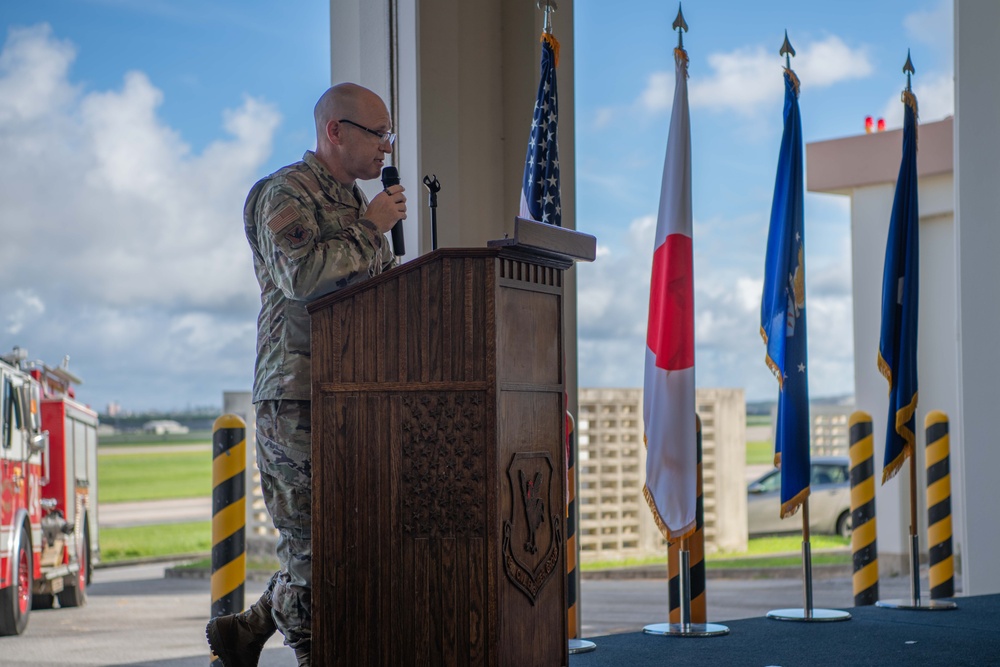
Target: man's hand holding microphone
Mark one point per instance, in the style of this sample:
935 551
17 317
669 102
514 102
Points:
387 209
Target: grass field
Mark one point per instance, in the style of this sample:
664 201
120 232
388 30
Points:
752 557
154 476
761 451
168 539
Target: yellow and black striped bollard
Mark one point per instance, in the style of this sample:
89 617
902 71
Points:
863 544
228 516
941 575
696 551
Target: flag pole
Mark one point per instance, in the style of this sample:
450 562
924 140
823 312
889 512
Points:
685 585
677 157
787 206
808 612
915 601
914 537
685 628
807 560
547 6
575 644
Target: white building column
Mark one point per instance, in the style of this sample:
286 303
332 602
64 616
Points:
976 450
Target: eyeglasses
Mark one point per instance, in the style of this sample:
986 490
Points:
383 137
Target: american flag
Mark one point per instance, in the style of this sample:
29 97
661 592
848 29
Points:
540 185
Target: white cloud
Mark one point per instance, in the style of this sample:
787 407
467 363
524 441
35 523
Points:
133 242
33 67
613 303
659 92
747 79
934 27
602 118
20 307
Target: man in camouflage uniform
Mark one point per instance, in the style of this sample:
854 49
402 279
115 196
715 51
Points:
312 231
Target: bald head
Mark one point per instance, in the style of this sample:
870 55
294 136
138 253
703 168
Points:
345 100
349 152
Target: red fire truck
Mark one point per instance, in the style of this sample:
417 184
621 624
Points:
48 491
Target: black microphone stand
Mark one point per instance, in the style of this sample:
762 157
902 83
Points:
433 187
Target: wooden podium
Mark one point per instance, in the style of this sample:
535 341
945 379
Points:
439 464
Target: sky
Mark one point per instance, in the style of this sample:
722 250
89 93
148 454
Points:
131 131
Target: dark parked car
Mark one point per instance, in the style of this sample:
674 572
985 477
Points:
829 500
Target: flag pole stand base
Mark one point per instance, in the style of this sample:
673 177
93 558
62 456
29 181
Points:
809 615
916 601
686 630
920 604
581 646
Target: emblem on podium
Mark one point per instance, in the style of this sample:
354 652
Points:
531 537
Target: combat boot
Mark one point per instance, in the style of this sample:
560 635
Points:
238 639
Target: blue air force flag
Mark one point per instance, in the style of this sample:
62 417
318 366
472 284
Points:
897 349
783 310
540 185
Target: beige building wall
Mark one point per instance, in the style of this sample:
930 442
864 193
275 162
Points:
615 521
831 433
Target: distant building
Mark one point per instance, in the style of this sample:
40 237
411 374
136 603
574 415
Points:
831 434
164 427
615 521
829 431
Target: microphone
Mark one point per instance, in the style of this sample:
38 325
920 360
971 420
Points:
391 177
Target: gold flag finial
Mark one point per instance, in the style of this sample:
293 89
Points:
908 69
547 6
681 26
787 51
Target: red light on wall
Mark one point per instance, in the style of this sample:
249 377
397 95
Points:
881 124
868 124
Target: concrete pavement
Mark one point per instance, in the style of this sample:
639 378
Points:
137 617
144 513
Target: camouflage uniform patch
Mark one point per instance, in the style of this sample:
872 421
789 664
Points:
284 442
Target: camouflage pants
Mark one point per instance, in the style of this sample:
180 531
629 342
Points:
284 458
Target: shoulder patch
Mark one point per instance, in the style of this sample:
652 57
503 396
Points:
298 236
282 219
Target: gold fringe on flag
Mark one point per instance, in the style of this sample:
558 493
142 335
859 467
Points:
672 536
680 55
902 416
792 506
910 100
553 43
885 370
770 362
795 79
